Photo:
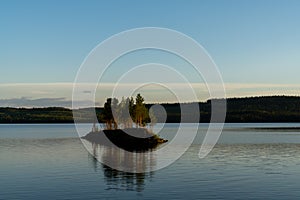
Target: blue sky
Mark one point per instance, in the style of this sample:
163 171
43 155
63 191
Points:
252 42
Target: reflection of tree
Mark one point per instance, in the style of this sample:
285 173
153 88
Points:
120 180
125 181
93 157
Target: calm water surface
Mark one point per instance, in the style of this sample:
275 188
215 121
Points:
50 162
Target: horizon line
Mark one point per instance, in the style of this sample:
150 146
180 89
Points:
149 103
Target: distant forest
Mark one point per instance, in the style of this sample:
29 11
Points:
239 110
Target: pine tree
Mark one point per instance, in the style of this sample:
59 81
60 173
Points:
141 112
115 112
131 111
107 114
126 112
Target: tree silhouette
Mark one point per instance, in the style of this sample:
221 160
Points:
131 111
107 115
141 112
115 112
126 112
153 119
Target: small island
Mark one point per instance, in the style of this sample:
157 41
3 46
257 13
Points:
128 125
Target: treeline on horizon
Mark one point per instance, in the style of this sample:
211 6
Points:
239 110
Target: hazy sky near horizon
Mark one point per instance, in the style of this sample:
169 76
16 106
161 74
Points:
255 44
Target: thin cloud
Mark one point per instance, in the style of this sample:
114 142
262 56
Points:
42 102
60 94
87 92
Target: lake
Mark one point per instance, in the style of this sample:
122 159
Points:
250 161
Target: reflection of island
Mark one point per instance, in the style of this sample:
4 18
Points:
125 150
121 159
123 180
120 180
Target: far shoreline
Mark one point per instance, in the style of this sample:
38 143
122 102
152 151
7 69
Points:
269 109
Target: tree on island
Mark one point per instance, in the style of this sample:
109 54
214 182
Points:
126 112
120 115
141 112
107 115
153 119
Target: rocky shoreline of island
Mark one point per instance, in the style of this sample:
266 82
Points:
130 139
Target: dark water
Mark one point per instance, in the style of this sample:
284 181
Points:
50 162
